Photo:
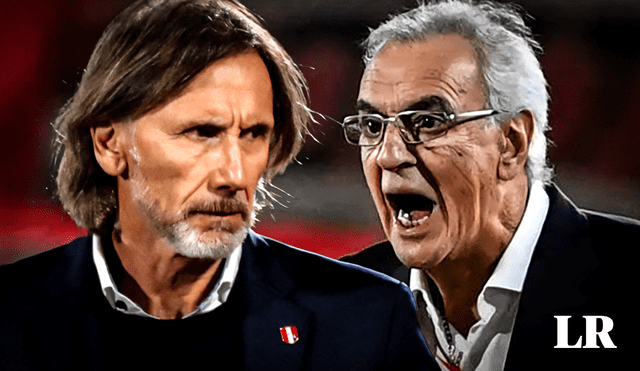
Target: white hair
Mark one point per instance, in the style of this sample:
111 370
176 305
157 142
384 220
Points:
506 55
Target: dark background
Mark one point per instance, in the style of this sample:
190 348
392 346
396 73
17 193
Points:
591 60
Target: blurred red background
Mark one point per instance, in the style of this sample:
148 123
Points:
591 59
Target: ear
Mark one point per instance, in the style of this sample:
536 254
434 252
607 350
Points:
108 148
517 136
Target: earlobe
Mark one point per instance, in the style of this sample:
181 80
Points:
107 147
517 136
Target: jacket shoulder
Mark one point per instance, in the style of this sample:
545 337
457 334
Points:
612 225
311 270
33 272
381 258
358 313
613 237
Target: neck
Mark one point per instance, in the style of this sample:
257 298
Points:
460 280
457 285
163 283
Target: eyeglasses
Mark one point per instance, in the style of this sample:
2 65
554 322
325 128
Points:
415 126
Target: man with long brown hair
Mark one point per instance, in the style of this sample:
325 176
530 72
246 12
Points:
186 111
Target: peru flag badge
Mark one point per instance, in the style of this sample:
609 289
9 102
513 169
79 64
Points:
289 334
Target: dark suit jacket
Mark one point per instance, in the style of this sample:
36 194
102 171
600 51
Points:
581 266
347 318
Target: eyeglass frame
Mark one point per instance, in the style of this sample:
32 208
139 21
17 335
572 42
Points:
451 120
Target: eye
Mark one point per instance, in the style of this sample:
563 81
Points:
371 126
424 121
203 131
257 131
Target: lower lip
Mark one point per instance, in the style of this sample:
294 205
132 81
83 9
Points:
220 216
418 230
217 222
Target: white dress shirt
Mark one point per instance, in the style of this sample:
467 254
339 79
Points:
485 348
123 304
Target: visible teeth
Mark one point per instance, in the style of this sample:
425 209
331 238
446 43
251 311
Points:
406 220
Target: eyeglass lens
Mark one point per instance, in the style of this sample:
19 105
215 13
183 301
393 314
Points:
416 127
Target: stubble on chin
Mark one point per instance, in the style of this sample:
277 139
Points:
218 242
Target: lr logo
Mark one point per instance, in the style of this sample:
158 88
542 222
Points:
591 332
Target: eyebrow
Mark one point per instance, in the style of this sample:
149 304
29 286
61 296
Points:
364 106
219 123
430 103
427 103
201 123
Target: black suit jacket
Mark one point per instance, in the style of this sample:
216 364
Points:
581 266
347 317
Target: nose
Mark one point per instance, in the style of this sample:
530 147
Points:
393 153
229 173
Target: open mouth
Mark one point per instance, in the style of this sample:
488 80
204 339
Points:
411 210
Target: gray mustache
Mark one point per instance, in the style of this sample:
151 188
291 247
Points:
223 207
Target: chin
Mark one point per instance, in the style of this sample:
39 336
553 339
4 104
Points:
211 244
408 252
417 253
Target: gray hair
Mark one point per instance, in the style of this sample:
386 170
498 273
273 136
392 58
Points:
506 55
147 55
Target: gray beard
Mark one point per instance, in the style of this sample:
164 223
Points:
191 243
184 239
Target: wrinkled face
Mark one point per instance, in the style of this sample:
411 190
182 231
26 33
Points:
434 199
195 162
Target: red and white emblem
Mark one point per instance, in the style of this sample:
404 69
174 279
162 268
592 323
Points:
289 334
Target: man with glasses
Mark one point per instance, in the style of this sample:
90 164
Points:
507 272
186 110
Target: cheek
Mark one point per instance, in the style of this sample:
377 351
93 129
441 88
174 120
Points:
371 172
452 166
262 158
467 158
163 163
458 170
255 164
466 174
372 176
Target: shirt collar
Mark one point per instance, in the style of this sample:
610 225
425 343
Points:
511 269
120 302
513 265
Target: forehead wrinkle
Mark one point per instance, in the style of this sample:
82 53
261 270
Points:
403 91
443 65
446 82
429 102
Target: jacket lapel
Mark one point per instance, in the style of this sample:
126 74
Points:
68 297
268 308
267 288
554 285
